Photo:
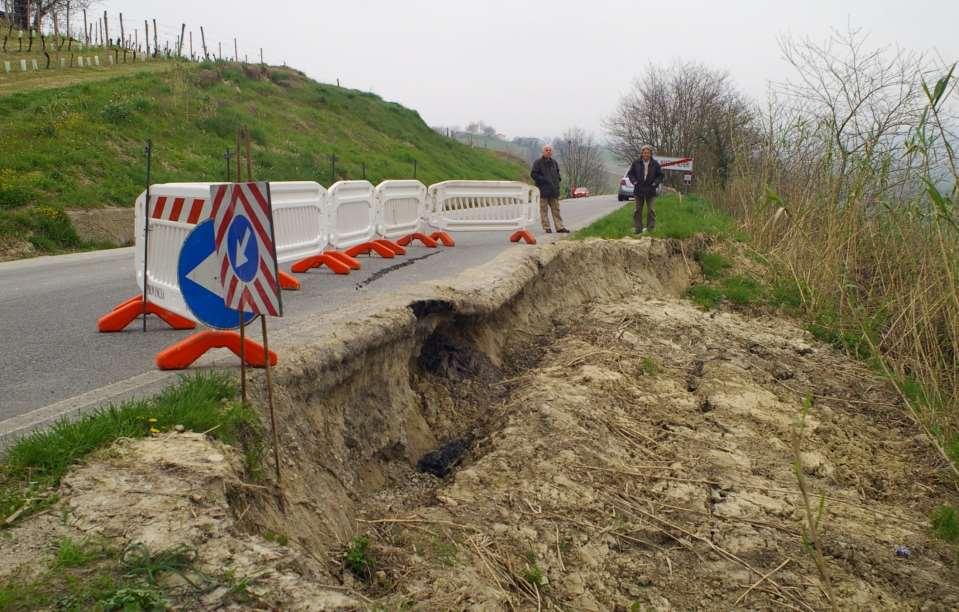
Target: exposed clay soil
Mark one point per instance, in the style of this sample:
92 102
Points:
601 444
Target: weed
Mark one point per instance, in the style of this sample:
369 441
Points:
135 598
71 553
533 574
278 538
358 559
810 527
138 561
945 523
705 296
649 366
445 552
742 290
713 265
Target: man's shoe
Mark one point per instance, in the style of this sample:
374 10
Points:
646 230
548 231
562 231
639 230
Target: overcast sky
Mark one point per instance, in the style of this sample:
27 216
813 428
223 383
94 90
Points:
532 68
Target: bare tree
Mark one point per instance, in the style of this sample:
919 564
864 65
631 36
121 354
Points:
41 9
858 105
580 158
682 109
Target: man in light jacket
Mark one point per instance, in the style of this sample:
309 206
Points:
646 175
546 176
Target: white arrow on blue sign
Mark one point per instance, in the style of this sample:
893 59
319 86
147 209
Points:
198 272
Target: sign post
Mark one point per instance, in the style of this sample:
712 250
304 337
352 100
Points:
678 164
246 248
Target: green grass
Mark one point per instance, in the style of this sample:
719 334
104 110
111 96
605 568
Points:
945 524
86 576
713 265
74 553
86 141
33 466
674 219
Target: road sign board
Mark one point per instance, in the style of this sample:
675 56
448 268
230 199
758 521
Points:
198 273
245 243
681 164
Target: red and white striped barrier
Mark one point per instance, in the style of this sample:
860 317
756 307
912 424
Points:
175 209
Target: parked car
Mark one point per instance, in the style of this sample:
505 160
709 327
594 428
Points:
625 189
581 192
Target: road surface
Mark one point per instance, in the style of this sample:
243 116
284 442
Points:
54 362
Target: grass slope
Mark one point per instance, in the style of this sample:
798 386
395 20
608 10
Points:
82 146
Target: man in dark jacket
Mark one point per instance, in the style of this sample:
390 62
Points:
546 176
646 175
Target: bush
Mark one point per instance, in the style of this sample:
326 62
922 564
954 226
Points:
53 229
117 110
945 523
16 189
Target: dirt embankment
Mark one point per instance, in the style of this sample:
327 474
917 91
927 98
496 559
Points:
555 430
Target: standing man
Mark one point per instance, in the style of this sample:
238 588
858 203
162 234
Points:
646 176
546 176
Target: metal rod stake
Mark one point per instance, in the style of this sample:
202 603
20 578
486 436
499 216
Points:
146 234
269 399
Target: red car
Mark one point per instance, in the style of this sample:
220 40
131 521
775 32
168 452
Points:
581 192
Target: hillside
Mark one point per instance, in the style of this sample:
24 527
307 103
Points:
81 146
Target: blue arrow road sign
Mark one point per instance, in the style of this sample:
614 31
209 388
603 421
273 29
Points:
198 272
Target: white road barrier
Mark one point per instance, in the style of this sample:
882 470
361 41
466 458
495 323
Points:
400 208
482 206
351 214
299 219
175 209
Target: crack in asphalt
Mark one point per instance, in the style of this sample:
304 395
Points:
381 273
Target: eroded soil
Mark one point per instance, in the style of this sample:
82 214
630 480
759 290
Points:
628 451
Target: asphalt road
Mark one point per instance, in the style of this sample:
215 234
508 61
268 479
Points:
53 360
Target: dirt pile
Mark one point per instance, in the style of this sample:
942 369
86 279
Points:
647 460
555 430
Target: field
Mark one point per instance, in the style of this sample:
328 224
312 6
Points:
82 146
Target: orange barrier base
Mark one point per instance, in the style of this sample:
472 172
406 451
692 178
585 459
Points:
368 247
443 237
352 262
126 312
333 263
288 281
179 356
396 248
423 238
522 235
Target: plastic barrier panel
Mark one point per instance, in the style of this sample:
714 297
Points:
400 208
351 214
299 219
482 205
